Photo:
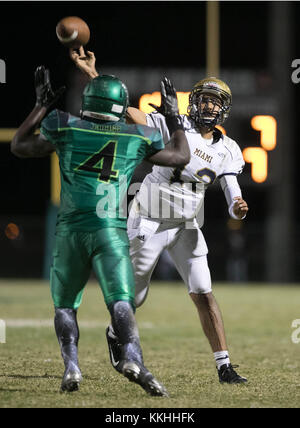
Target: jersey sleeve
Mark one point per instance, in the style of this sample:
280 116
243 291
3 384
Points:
154 140
157 120
235 162
51 126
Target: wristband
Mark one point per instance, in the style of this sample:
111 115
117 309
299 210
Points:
232 215
174 123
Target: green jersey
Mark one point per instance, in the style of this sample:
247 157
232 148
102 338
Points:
97 161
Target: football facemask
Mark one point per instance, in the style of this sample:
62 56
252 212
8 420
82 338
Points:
210 103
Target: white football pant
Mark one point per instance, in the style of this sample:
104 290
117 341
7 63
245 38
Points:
186 247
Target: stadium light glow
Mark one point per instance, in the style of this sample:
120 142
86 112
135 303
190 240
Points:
223 130
267 126
155 98
12 231
258 157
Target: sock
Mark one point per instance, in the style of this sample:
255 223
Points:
125 328
221 357
67 332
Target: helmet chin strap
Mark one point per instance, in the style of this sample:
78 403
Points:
200 125
204 127
208 124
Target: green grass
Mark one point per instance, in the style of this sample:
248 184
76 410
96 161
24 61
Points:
258 327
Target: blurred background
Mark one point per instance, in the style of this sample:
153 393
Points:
250 45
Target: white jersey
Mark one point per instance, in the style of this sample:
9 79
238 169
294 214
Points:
177 195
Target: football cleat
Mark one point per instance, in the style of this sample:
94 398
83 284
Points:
137 373
227 374
71 380
114 348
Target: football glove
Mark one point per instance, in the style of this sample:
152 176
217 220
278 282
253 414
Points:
169 106
45 96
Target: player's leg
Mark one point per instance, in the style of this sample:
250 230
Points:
67 332
145 249
189 255
113 268
114 273
147 238
131 362
193 268
69 273
213 327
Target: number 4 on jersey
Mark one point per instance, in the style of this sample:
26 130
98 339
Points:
102 162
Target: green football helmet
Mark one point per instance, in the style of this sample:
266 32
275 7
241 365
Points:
105 98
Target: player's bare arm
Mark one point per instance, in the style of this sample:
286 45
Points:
240 207
86 62
136 116
174 155
25 144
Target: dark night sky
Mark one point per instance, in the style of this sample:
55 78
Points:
123 33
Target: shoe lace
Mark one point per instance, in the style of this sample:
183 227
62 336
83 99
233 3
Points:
230 370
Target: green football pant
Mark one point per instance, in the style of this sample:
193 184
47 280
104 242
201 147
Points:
75 254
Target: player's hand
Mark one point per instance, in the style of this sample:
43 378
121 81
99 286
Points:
169 106
86 62
45 96
169 103
240 207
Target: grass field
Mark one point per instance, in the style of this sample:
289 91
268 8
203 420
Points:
258 321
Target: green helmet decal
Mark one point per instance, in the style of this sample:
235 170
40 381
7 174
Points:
105 97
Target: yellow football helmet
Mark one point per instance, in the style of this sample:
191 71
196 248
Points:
220 91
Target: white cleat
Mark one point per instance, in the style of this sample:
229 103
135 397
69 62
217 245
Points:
71 381
135 372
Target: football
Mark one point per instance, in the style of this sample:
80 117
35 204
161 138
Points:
73 32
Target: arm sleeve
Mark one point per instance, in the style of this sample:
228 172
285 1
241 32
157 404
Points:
231 189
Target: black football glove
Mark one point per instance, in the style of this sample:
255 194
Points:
169 106
45 97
